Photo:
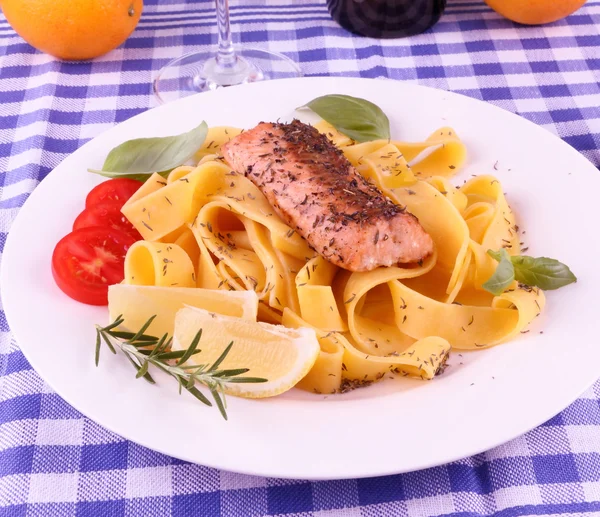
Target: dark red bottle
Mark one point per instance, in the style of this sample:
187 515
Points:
386 18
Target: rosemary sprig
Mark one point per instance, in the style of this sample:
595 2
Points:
143 350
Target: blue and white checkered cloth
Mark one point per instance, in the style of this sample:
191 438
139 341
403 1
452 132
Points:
54 462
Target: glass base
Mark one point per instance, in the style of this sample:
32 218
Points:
199 72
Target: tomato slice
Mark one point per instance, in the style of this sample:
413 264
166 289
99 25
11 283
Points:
86 261
106 214
117 190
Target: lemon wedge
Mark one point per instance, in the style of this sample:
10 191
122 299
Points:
279 354
138 303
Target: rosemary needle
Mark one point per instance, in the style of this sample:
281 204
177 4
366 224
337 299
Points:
143 350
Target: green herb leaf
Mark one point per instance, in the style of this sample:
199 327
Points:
143 370
140 333
141 341
161 345
98 345
246 380
230 373
199 395
175 354
546 273
142 176
497 255
140 370
108 344
141 157
191 349
356 118
219 401
190 382
503 276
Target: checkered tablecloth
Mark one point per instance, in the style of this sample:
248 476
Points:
56 463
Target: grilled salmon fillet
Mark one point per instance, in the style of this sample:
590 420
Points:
314 188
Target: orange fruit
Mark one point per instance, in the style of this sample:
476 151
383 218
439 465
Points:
535 12
73 29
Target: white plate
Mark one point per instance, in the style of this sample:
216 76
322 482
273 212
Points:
392 427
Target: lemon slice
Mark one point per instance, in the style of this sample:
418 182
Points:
279 354
138 303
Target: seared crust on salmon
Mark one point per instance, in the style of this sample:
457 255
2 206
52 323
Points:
314 188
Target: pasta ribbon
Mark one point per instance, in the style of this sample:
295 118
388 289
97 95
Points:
424 359
442 154
454 195
318 305
466 327
186 240
160 264
370 309
171 205
444 223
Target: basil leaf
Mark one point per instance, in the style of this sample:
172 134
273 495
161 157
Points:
546 273
356 118
503 276
142 176
496 254
141 157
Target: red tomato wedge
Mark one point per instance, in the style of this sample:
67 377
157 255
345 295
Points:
106 214
117 190
86 261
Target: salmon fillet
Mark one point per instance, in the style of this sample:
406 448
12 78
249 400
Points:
315 190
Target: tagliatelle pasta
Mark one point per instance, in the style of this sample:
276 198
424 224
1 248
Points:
210 227
157 263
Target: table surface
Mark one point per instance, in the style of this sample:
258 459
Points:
55 462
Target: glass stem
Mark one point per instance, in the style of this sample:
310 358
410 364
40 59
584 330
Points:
225 55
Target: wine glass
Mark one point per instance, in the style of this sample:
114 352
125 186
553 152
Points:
202 71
